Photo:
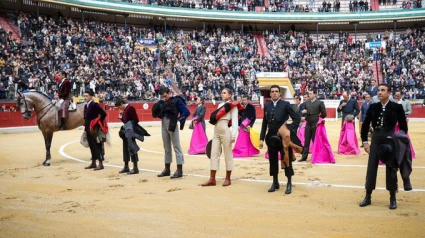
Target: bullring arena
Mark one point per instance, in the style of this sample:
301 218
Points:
68 201
131 48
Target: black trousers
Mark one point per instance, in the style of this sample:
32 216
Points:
274 157
310 134
126 154
96 149
373 162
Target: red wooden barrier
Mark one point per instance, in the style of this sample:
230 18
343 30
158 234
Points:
15 119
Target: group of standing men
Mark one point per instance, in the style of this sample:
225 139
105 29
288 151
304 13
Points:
382 116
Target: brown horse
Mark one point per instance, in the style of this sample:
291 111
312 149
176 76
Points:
46 113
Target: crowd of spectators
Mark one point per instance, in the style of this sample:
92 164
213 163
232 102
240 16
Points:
109 60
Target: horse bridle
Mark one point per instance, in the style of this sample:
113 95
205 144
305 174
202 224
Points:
22 97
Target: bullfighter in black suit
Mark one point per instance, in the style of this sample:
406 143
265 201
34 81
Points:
384 117
92 111
314 109
276 113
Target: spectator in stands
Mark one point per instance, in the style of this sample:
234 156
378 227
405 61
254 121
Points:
3 108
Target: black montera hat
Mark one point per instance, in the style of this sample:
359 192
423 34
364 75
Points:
387 152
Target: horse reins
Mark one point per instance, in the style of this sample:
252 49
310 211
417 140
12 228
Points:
36 113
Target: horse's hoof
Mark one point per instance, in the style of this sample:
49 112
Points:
46 164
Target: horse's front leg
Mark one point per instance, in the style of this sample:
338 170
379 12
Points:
47 142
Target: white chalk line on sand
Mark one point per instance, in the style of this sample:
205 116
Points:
313 183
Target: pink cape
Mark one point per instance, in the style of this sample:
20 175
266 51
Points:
322 151
243 146
348 144
199 140
301 133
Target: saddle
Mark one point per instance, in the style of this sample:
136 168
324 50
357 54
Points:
72 105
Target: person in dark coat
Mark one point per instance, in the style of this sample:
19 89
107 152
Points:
92 110
200 112
276 113
314 109
173 110
383 116
348 106
64 92
249 112
130 119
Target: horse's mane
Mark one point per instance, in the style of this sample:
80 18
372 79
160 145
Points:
39 92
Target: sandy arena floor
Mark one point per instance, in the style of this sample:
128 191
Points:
65 200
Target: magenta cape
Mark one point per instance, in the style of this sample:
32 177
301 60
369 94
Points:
199 140
301 133
397 129
322 151
348 144
243 146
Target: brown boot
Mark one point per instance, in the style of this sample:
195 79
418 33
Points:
100 166
92 165
211 181
227 181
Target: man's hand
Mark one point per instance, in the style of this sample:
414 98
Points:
304 111
366 147
303 119
343 104
233 140
261 144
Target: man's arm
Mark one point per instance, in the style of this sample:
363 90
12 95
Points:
322 109
251 115
182 109
356 108
401 118
264 125
201 115
366 124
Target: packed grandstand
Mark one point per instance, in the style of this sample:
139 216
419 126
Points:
134 61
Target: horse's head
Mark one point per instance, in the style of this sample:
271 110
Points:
25 105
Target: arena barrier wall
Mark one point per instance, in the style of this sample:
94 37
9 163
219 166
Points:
15 119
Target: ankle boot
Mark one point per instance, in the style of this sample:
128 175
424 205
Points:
211 181
165 172
227 180
393 201
100 166
92 165
135 170
275 184
289 186
367 200
178 173
126 169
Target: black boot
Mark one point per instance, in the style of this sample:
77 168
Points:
393 201
135 169
63 125
304 155
289 186
367 200
125 169
165 172
178 173
275 184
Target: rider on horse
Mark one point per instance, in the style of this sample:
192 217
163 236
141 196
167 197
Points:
64 93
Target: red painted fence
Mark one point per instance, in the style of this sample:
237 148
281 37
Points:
15 119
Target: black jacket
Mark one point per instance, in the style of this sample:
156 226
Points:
279 115
393 113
